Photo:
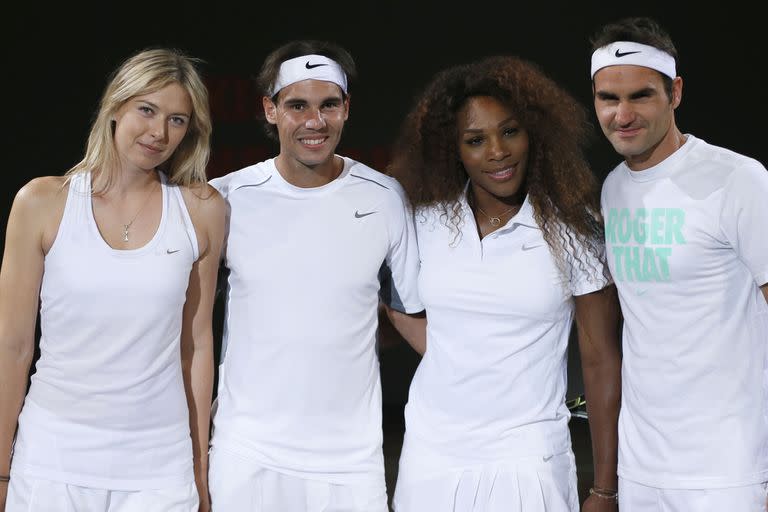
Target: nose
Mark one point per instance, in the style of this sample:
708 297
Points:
624 114
496 149
315 120
159 129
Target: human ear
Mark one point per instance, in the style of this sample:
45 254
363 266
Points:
270 110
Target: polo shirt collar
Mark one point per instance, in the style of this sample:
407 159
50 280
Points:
524 216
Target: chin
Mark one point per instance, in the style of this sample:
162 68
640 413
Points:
623 148
510 190
315 160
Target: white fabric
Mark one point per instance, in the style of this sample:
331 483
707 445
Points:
634 497
533 484
687 247
239 484
622 53
27 494
107 406
491 385
309 67
299 390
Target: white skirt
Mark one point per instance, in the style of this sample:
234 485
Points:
236 484
531 484
634 497
29 494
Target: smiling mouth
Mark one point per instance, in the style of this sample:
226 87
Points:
627 132
313 141
153 149
502 174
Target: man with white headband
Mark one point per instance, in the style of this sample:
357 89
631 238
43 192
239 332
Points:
687 247
315 240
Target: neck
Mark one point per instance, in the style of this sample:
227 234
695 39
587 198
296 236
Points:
492 205
309 176
126 182
671 142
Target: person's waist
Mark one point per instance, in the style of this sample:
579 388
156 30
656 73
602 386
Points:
339 464
162 417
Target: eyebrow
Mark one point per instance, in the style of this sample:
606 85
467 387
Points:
153 105
297 101
645 91
502 123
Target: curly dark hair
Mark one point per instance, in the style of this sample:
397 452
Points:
271 67
641 30
560 185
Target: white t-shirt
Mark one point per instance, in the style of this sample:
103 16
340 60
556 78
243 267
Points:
299 388
687 246
491 385
107 408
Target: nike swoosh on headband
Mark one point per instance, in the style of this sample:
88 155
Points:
631 53
310 66
618 53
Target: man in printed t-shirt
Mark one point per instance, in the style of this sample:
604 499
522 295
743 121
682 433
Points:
687 245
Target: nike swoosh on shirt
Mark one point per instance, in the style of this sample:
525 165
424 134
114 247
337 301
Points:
359 215
172 251
528 247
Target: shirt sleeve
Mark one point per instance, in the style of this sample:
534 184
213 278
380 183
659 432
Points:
744 217
400 271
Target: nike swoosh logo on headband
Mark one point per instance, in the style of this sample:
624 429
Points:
617 54
310 66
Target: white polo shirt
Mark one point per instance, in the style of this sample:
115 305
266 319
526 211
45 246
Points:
299 388
687 244
491 385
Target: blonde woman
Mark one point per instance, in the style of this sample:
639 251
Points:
120 255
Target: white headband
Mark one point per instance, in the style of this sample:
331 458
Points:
626 52
309 67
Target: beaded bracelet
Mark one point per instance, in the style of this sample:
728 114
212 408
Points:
5 478
606 494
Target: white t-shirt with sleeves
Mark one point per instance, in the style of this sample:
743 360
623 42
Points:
491 386
299 388
687 246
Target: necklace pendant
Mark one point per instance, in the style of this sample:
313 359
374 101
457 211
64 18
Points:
495 221
125 232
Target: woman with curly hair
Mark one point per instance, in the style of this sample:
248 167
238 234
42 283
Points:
510 241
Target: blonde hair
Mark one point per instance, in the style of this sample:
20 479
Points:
146 72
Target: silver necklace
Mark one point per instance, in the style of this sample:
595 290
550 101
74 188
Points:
126 227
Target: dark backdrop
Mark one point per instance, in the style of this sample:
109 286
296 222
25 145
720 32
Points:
56 60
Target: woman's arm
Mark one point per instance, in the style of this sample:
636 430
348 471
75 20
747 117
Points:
32 225
598 320
207 210
412 327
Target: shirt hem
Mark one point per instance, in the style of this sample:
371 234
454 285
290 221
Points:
676 482
113 484
236 449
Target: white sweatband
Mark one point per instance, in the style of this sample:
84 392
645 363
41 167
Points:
309 67
627 52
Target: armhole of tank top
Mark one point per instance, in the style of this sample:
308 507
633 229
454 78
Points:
189 226
62 232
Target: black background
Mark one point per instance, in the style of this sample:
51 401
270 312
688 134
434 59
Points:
56 61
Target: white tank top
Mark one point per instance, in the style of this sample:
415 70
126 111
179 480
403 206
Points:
106 407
